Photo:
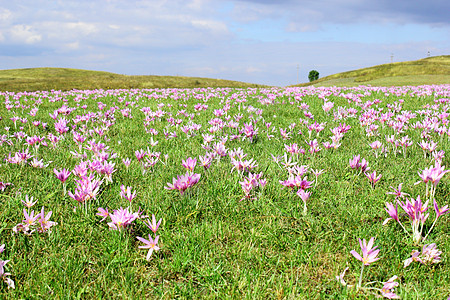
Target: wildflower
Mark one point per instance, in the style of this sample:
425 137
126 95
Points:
386 291
183 182
62 175
392 211
304 196
29 201
189 164
102 213
430 255
44 221
205 161
440 211
375 145
121 218
369 254
297 182
398 192
4 185
150 244
126 193
4 275
153 225
340 278
140 154
373 178
86 189
126 162
249 183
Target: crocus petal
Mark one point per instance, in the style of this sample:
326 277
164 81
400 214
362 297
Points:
356 255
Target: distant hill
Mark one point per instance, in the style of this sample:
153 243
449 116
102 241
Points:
40 79
431 70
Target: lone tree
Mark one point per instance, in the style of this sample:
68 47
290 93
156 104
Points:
313 75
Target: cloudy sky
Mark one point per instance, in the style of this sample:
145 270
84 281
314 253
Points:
257 41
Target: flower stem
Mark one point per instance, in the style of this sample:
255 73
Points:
360 277
432 226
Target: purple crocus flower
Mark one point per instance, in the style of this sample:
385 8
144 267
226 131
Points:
150 244
369 254
62 175
153 225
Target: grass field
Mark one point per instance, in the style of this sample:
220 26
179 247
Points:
427 71
46 79
272 209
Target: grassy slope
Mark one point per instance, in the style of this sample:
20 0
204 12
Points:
35 79
432 70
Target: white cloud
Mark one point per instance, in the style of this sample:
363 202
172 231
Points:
72 46
211 25
253 70
5 15
24 34
81 27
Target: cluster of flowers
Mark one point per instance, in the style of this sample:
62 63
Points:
369 255
4 276
414 208
40 222
356 163
123 218
429 255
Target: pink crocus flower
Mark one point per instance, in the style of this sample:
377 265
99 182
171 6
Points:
150 244
126 162
304 196
183 182
340 278
29 201
189 163
4 275
4 185
121 218
354 162
440 211
30 219
102 213
44 221
126 193
388 286
373 178
369 254
62 175
375 145
429 255
392 211
205 161
153 225
398 192
140 154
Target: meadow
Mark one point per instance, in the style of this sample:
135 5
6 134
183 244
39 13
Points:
268 193
426 71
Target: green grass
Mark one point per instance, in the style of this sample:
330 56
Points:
427 71
213 245
45 79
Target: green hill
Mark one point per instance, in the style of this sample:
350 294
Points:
39 79
431 70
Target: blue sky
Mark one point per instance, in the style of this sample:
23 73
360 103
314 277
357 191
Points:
257 41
